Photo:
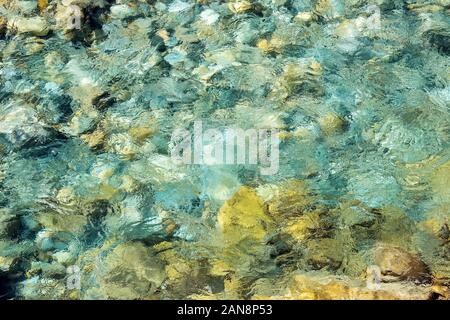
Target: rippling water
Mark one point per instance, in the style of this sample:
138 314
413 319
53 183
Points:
94 205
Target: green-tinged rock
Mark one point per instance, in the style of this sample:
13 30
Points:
9 224
243 217
130 271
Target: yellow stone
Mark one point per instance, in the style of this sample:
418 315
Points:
103 174
285 135
440 182
291 199
66 195
396 261
322 6
74 295
315 68
123 144
177 272
331 123
219 268
243 217
176 267
302 227
318 286
6 263
85 93
42 4
163 246
294 72
140 133
295 75
232 285
106 192
425 8
170 226
304 17
443 291
163 34
264 45
432 225
276 44
94 139
239 6
128 184
67 223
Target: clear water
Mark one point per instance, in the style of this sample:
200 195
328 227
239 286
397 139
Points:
92 205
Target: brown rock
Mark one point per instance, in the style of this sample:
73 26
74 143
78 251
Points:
3 24
399 264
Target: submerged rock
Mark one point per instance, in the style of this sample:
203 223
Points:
439 182
300 76
3 26
243 217
7 263
131 271
63 223
92 92
322 286
37 26
290 199
240 6
9 224
398 263
324 253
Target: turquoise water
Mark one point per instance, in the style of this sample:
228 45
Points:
92 91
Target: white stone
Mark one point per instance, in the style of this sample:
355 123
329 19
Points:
178 6
34 25
121 11
209 16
